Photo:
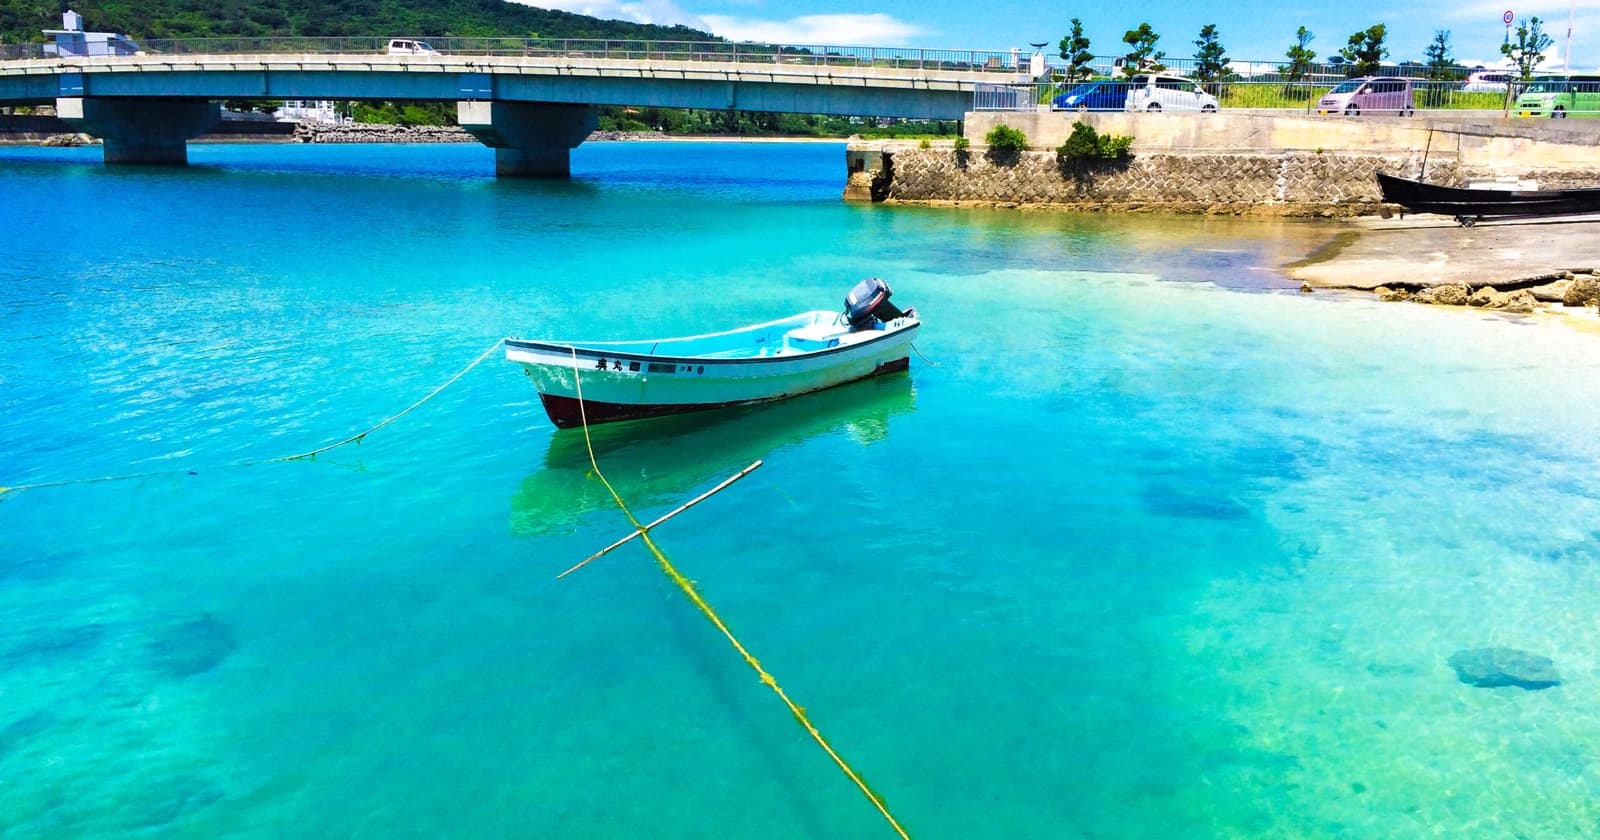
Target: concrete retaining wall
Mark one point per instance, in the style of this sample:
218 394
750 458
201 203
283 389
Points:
1499 147
1224 163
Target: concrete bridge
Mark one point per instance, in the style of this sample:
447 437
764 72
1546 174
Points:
533 102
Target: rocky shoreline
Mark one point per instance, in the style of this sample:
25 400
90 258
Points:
382 133
1571 288
48 131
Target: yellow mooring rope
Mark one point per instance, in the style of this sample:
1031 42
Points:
356 438
705 608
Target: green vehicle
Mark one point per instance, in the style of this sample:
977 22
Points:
1560 96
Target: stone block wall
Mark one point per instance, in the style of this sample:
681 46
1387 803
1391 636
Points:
1283 184
379 133
1286 184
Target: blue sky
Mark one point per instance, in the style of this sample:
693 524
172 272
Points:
1252 30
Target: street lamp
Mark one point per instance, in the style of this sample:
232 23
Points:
1036 63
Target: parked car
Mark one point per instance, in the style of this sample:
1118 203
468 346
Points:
1156 92
1558 97
408 46
1384 94
1487 81
1102 95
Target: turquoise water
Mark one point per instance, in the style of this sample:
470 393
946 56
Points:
1158 547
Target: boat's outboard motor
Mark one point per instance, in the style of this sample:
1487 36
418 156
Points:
867 305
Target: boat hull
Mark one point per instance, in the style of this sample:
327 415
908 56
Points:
1481 203
569 413
627 381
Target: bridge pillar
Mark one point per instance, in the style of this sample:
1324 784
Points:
147 131
530 139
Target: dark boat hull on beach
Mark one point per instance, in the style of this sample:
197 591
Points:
1471 204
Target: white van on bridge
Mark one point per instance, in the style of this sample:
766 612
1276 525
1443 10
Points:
407 46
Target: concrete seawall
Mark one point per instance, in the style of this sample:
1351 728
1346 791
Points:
1243 164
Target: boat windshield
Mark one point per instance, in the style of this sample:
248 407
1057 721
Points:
1349 87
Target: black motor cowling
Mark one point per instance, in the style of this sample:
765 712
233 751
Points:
868 304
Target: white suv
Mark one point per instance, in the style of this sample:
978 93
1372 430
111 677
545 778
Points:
1155 92
407 46
1487 81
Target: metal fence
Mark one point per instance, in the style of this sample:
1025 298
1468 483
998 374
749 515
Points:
1307 98
980 61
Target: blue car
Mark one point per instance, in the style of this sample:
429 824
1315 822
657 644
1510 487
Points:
1094 96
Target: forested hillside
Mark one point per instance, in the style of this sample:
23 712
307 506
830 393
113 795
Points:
22 20
145 20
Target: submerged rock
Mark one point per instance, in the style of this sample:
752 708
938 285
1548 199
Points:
1166 500
191 647
18 732
1495 667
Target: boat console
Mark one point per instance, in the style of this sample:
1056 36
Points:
867 306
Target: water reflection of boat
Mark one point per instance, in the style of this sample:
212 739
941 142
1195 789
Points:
667 460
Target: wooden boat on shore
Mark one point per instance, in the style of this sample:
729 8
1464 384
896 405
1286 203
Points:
603 381
1470 205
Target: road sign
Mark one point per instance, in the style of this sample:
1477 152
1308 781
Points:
1508 17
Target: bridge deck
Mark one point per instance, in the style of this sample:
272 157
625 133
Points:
777 84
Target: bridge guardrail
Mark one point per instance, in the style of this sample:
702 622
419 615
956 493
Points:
980 61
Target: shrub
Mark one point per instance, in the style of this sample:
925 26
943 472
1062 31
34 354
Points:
1084 142
1004 138
1087 144
962 144
1115 146
925 143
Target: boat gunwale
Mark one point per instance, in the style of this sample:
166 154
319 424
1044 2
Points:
735 331
597 349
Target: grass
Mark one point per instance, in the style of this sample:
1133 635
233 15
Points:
1276 95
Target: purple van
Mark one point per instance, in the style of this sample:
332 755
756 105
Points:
1379 94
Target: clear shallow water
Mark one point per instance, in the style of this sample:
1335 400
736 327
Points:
1156 548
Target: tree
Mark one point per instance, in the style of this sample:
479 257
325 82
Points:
1529 49
1210 60
1299 56
1142 54
1441 70
1441 67
1366 51
1075 51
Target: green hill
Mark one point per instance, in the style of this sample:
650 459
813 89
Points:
22 20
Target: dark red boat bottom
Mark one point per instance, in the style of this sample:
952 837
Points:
567 413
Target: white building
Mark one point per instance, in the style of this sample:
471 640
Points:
72 41
309 111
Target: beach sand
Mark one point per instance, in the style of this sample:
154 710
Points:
1432 250
1366 253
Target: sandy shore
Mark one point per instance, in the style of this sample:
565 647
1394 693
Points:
1420 251
1433 250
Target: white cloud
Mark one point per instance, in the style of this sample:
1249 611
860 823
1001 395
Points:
872 30
1545 10
856 30
659 12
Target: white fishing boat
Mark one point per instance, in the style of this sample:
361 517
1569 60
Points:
625 380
